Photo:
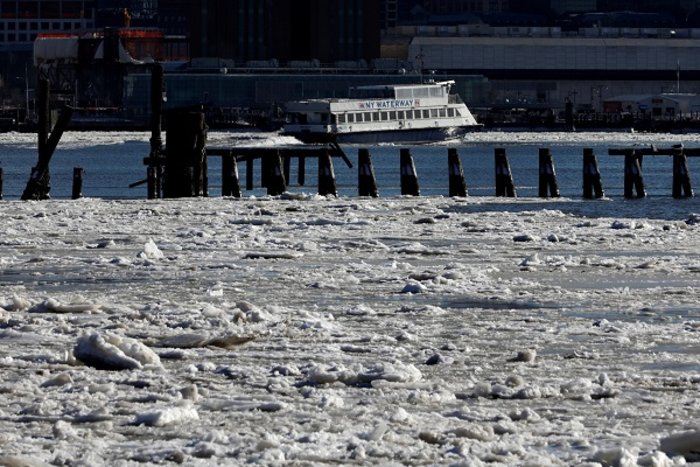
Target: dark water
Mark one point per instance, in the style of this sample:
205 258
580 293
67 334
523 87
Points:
110 166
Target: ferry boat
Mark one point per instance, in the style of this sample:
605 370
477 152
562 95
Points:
382 114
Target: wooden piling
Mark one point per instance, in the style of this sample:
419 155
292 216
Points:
152 179
592 184
548 186
409 177
504 177
366 179
682 187
287 162
157 82
634 179
78 174
276 184
458 186
186 166
39 184
326 176
230 183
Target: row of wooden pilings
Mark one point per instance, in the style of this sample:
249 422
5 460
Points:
275 172
275 166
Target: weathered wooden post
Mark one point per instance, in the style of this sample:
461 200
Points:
39 184
504 177
592 184
634 180
326 176
301 174
230 183
287 161
155 158
78 173
548 176
152 180
366 179
409 177
276 183
682 187
185 169
458 186
249 173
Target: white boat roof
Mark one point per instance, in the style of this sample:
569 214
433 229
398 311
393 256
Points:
403 86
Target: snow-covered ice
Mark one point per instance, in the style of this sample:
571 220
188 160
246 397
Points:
306 330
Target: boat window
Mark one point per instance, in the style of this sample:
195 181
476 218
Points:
436 92
443 112
351 118
450 112
459 113
368 116
392 115
358 118
402 115
404 94
375 116
409 115
421 92
426 113
341 118
433 113
385 116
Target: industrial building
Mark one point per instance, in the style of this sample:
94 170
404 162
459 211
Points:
286 30
543 67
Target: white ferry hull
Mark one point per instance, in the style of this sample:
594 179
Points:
419 135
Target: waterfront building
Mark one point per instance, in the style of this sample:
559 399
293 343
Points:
286 30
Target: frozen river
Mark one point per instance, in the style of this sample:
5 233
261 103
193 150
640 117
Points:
308 331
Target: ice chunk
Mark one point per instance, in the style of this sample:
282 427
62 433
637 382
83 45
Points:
183 412
112 352
151 251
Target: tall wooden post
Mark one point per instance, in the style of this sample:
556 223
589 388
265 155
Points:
186 166
458 187
230 183
548 177
504 177
287 161
409 177
155 159
682 187
152 179
78 174
276 183
39 184
326 176
592 184
366 179
634 180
